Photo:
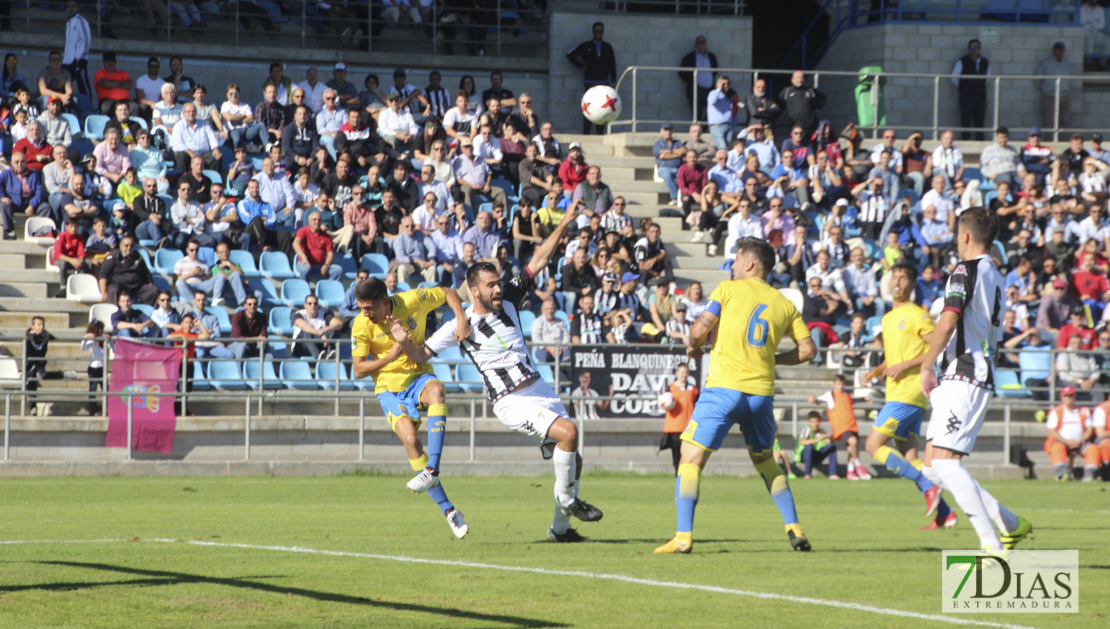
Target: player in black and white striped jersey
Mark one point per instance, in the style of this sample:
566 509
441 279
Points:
966 340
521 399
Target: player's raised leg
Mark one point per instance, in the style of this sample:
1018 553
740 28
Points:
568 471
898 421
432 398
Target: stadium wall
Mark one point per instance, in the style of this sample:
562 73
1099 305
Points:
933 48
654 40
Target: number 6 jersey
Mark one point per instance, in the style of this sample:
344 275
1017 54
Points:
752 319
974 292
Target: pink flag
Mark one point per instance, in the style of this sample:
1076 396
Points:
139 369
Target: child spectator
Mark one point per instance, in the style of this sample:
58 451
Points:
243 170
99 243
92 342
842 418
35 348
813 444
676 417
892 252
130 188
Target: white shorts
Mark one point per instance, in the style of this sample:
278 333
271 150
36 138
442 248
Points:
531 410
958 412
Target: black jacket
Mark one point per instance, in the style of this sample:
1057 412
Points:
598 66
802 105
689 61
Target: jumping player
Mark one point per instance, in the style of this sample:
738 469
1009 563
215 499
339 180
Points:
907 329
521 399
740 386
966 339
404 387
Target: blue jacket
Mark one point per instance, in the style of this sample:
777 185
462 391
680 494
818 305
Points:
11 186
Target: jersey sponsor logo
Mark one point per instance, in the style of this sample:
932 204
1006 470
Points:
953 424
411 323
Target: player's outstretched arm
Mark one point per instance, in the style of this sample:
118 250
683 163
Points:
804 351
943 332
544 252
462 328
699 334
417 354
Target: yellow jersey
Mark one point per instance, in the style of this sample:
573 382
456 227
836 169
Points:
903 328
752 319
368 340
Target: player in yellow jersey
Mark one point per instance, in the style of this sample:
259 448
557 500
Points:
907 329
403 387
740 387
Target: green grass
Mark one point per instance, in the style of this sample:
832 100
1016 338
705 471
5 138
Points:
868 549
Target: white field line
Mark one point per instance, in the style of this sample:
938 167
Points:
952 620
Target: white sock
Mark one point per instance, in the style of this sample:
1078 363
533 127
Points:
565 469
932 475
1003 518
967 494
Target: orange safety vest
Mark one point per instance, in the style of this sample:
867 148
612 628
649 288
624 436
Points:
676 419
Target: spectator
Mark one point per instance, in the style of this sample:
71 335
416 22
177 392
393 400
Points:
1070 433
188 219
859 280
1076 326
148 88
763 106
579 279
113 86
1035 157
240 124
549 151
690 179
148 211
259 221
69 254
165 114
574 168
55 128
1077 369
193 137
207 321
705 62
488 149
651 256
315 323
669 154
763 147
473 177
200 185
917 163
346 93
937 234
78 39
149 164
249 323
271 115
278 193
189 332
459 122
90 342
396 124
999 162
948 160
1050 68
34 148
587 325
598 64
815 446
182 83
413 253
299 141
548 333
1056 306
803 104
194 275
722 119
595 195
130 323
818 312
972 92
21 189
528 121
314 250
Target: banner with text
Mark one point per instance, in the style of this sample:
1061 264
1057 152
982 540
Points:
624 371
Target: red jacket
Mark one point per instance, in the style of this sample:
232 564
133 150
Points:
31 152
1088 284
572 174
67 244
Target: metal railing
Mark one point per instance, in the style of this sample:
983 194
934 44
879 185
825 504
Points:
355 28
678 7
630 115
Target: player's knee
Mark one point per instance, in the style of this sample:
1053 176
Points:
570 434
434 392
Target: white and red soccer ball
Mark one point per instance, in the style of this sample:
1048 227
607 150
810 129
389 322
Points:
601 104
666 401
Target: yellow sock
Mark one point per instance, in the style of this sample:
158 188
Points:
796 529
882 453
918 463
419 464
437 410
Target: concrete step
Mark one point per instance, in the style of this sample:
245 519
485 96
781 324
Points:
38 276
626 187
14 261
59 350
39 305
680 246
54 320
22 246
25 289
653 199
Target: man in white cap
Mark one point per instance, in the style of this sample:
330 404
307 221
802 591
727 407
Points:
348 93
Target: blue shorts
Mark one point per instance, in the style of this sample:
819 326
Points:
404 403
899 420
718 409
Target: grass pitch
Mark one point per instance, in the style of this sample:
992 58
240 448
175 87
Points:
97 562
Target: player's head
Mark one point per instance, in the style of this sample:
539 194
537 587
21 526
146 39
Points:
485 284
838 383
754 258
903 278
814 420
681 372
373 299
978 229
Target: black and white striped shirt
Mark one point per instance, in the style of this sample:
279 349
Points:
496 342
974 292
440 101
589 327
606 302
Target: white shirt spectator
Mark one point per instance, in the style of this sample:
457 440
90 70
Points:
443 195
831 280
948 160
198 138
330 121
152 88
484 150
1087 229
943 202
895 156
462 123
184 215
242 109
392 123
740 227
313 96
186 264
277 192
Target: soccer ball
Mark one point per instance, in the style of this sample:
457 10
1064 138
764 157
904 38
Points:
601 104
666 401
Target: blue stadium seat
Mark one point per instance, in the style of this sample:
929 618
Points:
143 308
1035 362
74 124
293 292
329 293
562 316
200 383
1007 385
350 267
449 355
252 369
485 207
972 172
225 376
546 374
213 175
164 259
275 265
162 284
527 318
326 371
244 260
207 255
145 255
94 128
403 287
297 375
375 263
281 321
427 285
469 378
142 123
265 290
221 318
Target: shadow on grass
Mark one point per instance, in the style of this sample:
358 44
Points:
161 577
